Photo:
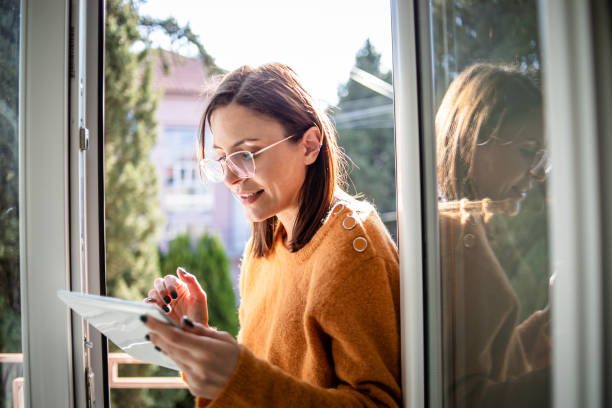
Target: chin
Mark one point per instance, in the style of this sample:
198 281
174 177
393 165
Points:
253 216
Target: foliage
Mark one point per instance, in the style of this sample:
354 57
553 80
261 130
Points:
10 325
132 210
133 218
210 264
369 142
470 31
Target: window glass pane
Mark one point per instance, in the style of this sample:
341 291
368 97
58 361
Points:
11 367
491 172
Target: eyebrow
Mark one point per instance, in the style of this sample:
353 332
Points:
238 143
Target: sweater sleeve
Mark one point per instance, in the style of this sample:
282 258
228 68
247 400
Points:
359 312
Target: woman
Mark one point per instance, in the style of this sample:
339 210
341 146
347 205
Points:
490 151
319 282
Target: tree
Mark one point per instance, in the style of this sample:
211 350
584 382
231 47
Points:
133 218
10 304
210 264
10 326
470 31
368 140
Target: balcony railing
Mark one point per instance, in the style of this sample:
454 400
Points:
114 359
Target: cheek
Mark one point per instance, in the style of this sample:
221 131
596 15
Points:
286 172
489 173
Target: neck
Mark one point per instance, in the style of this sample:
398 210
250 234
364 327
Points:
287 219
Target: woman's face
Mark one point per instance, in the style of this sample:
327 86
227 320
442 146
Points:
279 172
503 166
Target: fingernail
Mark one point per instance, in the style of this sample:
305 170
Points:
149 300
187 321
174 294
147 338
157 348
166 309
143 318
167 299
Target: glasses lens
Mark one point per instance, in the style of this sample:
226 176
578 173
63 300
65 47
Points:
241 164
212 169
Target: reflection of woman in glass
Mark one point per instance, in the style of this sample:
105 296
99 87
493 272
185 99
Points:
489 152
319 281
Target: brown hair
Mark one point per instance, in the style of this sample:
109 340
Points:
274 90
483 99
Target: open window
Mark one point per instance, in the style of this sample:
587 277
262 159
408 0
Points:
54 213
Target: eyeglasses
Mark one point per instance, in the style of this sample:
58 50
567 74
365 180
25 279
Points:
539 166
241 163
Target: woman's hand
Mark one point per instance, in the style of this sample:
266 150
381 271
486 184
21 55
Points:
182 296
206 356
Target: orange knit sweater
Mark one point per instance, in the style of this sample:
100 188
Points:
320 326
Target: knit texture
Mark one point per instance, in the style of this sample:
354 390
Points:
489 360
320 326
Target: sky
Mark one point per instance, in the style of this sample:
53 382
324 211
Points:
317 38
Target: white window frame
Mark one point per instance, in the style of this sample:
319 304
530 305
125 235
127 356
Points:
53 356
575 225
409 212
575 222
59 213
44 187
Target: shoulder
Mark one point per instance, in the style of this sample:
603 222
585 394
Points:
355 234
357 263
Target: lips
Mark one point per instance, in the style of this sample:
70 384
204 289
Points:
249 198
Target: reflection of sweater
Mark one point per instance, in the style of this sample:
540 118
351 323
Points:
320 326
488 360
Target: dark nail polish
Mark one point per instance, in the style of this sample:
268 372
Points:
174 294
157 348
143 318
187 321
167 299
147 338
166 309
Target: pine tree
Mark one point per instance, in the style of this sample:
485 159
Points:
133 218
368 141
210 264
10 305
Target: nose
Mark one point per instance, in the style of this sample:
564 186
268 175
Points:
231 178
539 173
541 166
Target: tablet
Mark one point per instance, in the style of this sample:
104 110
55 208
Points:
119 320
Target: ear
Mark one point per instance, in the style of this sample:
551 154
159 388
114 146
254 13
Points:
311 142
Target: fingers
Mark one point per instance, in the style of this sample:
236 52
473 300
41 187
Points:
191 281
187 340
160 286
154 297
201 330
170 282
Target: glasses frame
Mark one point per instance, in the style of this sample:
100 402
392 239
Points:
539 168
226 162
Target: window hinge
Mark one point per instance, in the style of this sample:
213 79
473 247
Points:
91 390
84 138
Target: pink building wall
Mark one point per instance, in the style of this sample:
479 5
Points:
188 205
